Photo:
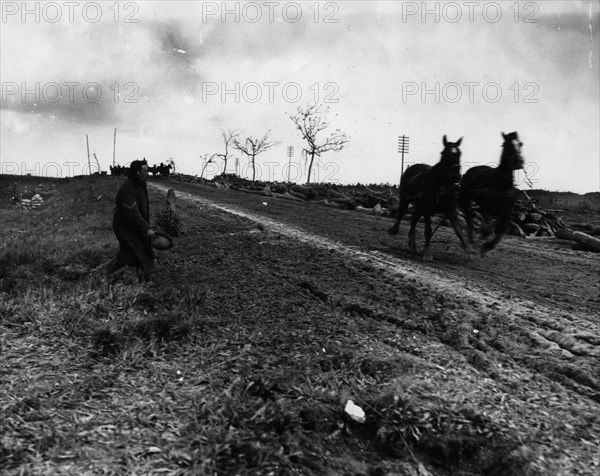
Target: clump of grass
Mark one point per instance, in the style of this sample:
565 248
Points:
16 314
106 341
288 429
35 252
88 256
147 302
8 285
72 272
452 435
74 318
396 424
517 459
169 222
166 327
186 299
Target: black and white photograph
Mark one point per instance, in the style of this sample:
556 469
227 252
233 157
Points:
300 238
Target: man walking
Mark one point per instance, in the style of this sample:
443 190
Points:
131 224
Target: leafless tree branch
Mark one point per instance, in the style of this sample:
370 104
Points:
310 121
253 147
229 138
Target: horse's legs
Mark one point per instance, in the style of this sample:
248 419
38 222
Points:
412 245
487 226
402 207
500 229
427 256
453 217
467 209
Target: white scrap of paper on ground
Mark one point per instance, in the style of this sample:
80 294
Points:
355 412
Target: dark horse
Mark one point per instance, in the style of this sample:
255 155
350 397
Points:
493 191
431 190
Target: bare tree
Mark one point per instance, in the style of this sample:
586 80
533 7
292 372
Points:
310 121
252 147
207 159
229 137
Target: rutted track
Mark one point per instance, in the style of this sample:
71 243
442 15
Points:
554 329
443 283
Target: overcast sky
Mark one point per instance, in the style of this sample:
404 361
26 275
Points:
169 75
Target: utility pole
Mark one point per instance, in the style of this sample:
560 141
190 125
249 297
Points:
114 146
290 154
87 141
403 149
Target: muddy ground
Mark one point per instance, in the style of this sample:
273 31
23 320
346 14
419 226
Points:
531 305
464 366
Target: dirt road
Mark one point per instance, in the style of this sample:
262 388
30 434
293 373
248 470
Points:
551 294
527 310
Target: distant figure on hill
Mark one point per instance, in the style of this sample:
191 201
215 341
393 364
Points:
131 224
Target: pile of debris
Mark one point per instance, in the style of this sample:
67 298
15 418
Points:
30 196
32 203
379 199
529 220
579 240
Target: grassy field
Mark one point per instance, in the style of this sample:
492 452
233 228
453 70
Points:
235 361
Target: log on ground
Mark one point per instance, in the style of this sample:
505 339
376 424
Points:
587 242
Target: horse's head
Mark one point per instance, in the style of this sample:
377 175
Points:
511 155
451 160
